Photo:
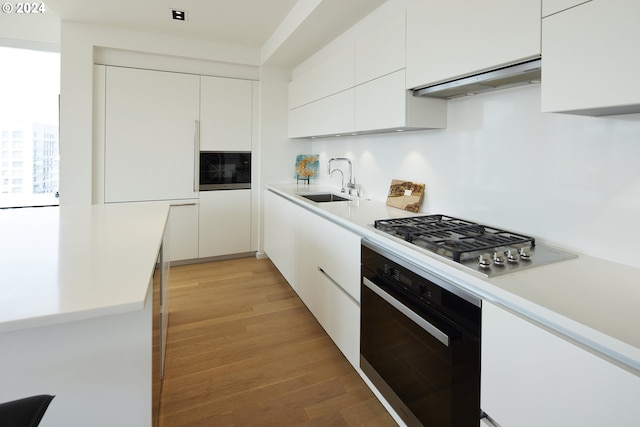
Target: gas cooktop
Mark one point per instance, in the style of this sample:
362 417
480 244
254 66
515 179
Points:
487 250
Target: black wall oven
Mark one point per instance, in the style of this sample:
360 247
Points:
420 342
224 170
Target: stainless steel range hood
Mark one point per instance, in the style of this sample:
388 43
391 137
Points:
513 75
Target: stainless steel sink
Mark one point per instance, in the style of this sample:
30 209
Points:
325 197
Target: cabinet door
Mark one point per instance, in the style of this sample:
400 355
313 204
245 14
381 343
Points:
183 230
338 255
225 114
334 74
527 370
384 104
447 39
306 252
225 222
590 64
339 315
328 116
149 135
381 51
279 234
328 278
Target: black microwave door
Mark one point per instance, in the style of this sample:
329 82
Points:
225 170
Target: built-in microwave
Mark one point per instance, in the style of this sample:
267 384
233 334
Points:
225 170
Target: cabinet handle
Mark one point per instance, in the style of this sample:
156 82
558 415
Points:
196 157
177 205
337 285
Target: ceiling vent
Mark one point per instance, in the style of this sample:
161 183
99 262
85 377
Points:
179 15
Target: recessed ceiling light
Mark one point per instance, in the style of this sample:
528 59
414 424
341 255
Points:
179 15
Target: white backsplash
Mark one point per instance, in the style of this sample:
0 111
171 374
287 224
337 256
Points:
570 181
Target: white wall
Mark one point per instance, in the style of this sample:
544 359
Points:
571 181
277 152
39 31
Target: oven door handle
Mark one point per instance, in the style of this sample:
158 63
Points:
431 329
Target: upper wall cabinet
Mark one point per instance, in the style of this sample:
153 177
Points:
331 76
361 89
382 51
590 59
332 115
225 114
384 104
448 39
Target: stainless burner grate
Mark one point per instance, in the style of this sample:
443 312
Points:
452 237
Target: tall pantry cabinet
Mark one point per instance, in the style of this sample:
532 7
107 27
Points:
156 123
150 126
226 112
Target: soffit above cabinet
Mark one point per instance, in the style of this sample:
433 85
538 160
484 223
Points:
282 33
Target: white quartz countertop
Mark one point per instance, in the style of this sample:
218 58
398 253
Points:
592 302
61 264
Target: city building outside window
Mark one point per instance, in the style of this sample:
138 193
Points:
29 106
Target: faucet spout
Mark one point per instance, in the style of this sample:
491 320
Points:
351 182
342 187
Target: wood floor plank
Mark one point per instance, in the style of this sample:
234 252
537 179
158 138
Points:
243 350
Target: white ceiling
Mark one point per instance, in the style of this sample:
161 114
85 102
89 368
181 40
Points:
246 23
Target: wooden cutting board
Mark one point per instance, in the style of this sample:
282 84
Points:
405 195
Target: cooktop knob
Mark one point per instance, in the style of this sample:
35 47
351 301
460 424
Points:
525 252
513 255
499 258
484 260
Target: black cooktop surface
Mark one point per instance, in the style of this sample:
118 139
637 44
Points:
452 237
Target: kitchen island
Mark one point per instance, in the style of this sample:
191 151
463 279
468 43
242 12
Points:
557 330
76 309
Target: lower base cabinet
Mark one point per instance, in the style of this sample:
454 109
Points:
279 239
224 223
183 229
532 377
321 262
339 315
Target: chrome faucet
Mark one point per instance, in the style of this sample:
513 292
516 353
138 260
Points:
350 187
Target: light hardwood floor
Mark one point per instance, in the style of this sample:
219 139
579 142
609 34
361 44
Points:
243 350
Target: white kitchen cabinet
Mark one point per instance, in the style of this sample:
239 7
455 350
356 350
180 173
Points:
224 220
338 255
332 115
550 7
531 377
306 250
334 74
149 135
379 105
279 237
225 114
385 104
339 315
321 262
381 51
450 39
590 65
370 94
183 230
336 283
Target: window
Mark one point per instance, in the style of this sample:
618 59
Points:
30 87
